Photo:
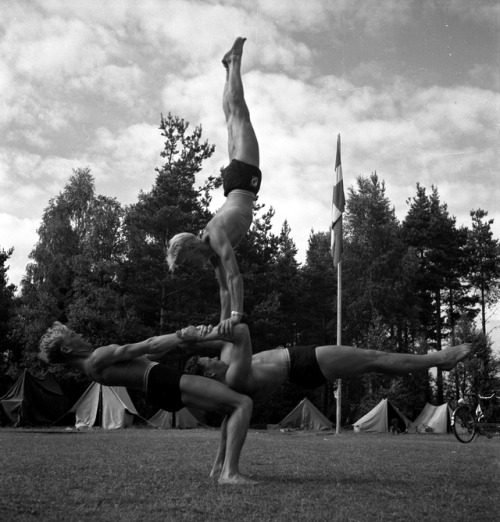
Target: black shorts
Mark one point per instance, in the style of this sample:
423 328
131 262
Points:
242 176
304 368
164 389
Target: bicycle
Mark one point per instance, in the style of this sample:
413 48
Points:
467 423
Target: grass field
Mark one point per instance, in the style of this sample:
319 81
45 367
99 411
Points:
150 475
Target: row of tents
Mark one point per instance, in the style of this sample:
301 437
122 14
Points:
383 418
36 401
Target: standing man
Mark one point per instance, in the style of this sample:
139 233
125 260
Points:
165 388
309 367
241 182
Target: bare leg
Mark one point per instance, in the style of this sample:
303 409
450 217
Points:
337 362
234 442
221 451
242 141
206 394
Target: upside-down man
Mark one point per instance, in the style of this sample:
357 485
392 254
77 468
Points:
241 182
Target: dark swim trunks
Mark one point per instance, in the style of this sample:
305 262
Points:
304 368
164 388
242 176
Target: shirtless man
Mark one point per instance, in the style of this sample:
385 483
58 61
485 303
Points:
241 181
261 374
165 388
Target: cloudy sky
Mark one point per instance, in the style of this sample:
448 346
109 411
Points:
412 86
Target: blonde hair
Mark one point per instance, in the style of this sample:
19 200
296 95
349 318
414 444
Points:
179 247
51 343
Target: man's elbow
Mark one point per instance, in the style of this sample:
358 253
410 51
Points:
240 331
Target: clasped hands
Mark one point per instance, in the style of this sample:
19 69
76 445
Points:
199 333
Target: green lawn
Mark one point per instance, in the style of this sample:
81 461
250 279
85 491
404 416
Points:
141 474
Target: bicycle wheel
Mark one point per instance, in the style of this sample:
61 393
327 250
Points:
464 424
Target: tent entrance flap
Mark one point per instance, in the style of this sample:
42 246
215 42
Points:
305 416
380 419
109 407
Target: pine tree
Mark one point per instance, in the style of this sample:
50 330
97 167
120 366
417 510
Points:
431 232
7 307
375 275
173 205
483 257
316 321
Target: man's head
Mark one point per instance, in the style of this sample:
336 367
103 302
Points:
58 341
185 249
210 367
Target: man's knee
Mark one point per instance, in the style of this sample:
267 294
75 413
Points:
240 115
245 403
238 402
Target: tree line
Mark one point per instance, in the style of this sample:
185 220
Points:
412 286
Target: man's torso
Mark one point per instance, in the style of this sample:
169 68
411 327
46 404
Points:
268 372
129 373
234 218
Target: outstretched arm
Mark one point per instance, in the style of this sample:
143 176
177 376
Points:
157 346
230 283
225 297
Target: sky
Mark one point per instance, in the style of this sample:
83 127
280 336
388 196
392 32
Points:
412 87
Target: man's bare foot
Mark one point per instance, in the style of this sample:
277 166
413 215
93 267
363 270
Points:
237 480
452 356
235 51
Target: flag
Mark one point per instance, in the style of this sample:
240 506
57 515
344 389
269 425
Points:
338 205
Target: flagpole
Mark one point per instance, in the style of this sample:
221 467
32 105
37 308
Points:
339 342
338 205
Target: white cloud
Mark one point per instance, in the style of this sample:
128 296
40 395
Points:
20 234
83 84
124 163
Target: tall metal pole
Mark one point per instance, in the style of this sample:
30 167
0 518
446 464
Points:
339 342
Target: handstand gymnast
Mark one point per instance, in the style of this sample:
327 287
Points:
241 182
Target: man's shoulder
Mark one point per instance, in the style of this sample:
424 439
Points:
104 348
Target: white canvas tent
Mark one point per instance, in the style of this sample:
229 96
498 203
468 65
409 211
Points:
432 419
378 420
182 419
113 403
305 416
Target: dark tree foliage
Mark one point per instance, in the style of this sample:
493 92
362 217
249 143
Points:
483 259
376 269
287 282
256 257
439 247
478 374
405 287
162 300
7 307
317 303
75 274
272 284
